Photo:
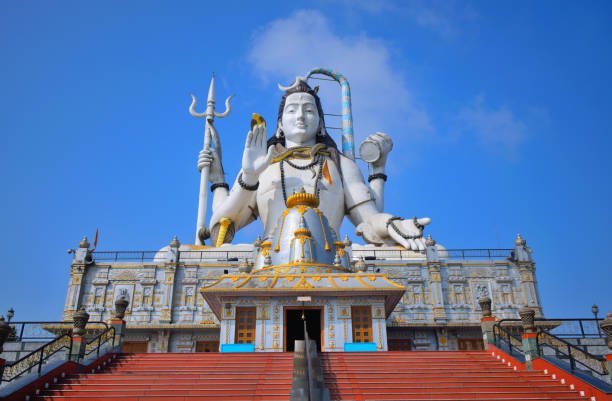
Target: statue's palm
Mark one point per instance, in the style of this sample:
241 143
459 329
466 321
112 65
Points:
256 156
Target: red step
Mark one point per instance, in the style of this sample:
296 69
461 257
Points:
440 376
173 376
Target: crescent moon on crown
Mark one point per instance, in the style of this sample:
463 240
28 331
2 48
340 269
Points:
293 85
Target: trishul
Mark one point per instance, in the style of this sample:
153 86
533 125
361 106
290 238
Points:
209 133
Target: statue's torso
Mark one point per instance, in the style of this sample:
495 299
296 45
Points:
271 204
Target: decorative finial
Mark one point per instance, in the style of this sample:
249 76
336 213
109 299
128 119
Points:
527 316
302 230
268 259
257 243
244 266
121 305
84 243
361 266
519 241
606 327
430 241
485 306
337 259
79 321
347 241
175 243
5 330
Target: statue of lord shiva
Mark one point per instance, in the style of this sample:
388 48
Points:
299 155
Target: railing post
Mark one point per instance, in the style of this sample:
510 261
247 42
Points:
79 342
530 336
118 323
487 321
606 327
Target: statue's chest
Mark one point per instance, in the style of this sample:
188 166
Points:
288 179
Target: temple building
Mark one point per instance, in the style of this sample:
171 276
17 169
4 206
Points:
187 298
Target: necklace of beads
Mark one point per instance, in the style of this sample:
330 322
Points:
318 159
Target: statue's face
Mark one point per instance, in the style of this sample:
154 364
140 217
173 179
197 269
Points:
300 120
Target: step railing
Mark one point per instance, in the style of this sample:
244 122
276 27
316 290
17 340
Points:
58 339
107 337
504 338
578 358
507 336
37 358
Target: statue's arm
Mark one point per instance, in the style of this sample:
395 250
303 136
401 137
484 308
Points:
238 205
378 177
374 226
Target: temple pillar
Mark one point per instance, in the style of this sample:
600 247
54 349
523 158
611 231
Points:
524 261
435 278
172 261
487 321
82 257
118 323
79 342
529 336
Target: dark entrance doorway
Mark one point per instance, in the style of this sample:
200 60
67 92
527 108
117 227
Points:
294 327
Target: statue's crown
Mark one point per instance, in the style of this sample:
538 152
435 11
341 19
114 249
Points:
302 198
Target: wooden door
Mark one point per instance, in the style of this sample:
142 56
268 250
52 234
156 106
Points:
470 344
137 347
207 346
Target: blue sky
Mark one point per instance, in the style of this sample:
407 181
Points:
500 114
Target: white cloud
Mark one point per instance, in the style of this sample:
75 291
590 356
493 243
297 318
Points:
496 129
382 101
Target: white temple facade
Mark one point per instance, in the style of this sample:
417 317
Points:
437 307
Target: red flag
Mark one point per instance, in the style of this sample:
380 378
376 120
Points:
96 239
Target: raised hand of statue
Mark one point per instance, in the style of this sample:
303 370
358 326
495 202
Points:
409 232
383 144
256 156
208 158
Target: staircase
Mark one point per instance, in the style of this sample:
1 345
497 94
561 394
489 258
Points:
181 376
441 375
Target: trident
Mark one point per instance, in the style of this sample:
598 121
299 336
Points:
209 133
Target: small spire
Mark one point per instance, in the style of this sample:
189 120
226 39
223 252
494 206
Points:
175 243
430 241
347 241
361 266
84 243
257 243
337 259
519 241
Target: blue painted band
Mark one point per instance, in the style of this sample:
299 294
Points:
359 347
237 347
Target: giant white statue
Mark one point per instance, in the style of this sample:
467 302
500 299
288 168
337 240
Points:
301 155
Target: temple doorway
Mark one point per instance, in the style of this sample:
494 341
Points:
294 327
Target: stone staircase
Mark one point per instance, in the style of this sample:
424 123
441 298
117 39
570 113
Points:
181 376
412 375
442 375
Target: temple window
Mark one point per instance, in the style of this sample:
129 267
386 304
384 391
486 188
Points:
189 296
245 325
418 296
362 324
98 296
459 296
146 296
